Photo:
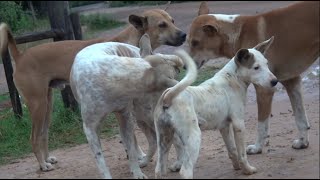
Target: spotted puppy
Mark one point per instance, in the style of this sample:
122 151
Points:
218 103
105 78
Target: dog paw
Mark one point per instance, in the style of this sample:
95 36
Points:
236 166
139 175
46 167
253 149
52 160
249 170
144 162
300 144
175 167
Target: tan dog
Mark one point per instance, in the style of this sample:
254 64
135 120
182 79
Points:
295 48
106 78
42 67
219 102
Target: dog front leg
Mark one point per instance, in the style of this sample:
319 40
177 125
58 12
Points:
293 87
152 141
127 131
228 139
239 133
264 101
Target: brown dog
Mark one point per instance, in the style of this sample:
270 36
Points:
36 68
296 46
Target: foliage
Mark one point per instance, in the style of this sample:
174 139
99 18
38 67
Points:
12 14
100 21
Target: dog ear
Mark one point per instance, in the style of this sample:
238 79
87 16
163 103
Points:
264 46
167 5
242 57
145 46
139 22
203 9
209 29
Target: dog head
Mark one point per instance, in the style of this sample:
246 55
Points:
210 35
253 66
159 25
164 71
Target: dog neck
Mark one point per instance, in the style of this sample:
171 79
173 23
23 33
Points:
229 76
129 35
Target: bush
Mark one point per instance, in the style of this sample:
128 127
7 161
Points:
82 3
12 14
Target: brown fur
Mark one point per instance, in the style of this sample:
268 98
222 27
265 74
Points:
296 46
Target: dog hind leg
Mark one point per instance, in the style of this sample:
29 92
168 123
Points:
91 122
164 132
294 90
49 159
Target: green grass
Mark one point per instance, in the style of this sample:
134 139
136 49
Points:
203 74
65 131
97 23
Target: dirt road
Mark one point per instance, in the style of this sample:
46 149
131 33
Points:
278 159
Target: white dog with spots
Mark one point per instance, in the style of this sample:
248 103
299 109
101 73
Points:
106 78
215 104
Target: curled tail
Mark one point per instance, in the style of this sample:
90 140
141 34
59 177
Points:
7 41
190 77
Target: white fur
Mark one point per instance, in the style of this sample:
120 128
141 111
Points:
218 103
224 17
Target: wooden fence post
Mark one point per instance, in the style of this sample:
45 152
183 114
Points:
59 16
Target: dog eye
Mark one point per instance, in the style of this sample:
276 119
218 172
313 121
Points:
256 68
163 25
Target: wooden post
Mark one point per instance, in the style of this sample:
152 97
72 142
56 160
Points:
14 95
58 13
75 20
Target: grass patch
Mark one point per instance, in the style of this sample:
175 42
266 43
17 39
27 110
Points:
203 75
96 23
65 131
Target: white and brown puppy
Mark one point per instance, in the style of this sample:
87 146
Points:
218 102
105 78
296 46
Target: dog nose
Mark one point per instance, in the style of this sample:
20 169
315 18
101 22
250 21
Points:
274 82
183 35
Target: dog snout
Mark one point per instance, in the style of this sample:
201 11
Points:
274 82
182 36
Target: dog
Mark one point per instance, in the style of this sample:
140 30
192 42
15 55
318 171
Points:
296 47
41 68
219 102
106 78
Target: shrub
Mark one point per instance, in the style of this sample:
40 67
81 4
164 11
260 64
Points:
12 14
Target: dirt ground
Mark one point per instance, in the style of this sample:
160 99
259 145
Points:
278 159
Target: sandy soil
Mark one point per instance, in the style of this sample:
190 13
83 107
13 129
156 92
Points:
278 159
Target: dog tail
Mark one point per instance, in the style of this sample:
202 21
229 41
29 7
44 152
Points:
190 77
7 41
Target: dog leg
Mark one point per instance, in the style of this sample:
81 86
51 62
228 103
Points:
294 90
49 159
38 108
191 138
164 132
127 130
239 132
178 145
228 138
264 101
152 140
91 122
